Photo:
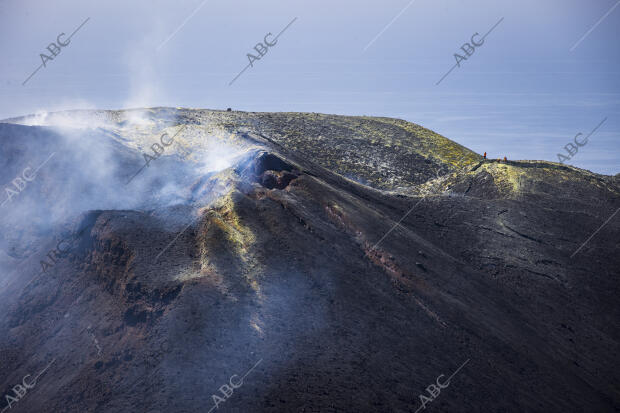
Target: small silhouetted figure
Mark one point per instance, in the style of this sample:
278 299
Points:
485 155
229 110
505 159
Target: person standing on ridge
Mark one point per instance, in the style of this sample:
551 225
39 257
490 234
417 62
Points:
505 159
485 155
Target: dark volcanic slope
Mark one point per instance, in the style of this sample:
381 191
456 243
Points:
285 262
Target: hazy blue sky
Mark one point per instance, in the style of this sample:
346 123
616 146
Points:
523 93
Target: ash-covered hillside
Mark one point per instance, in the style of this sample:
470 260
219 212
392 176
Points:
185 260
